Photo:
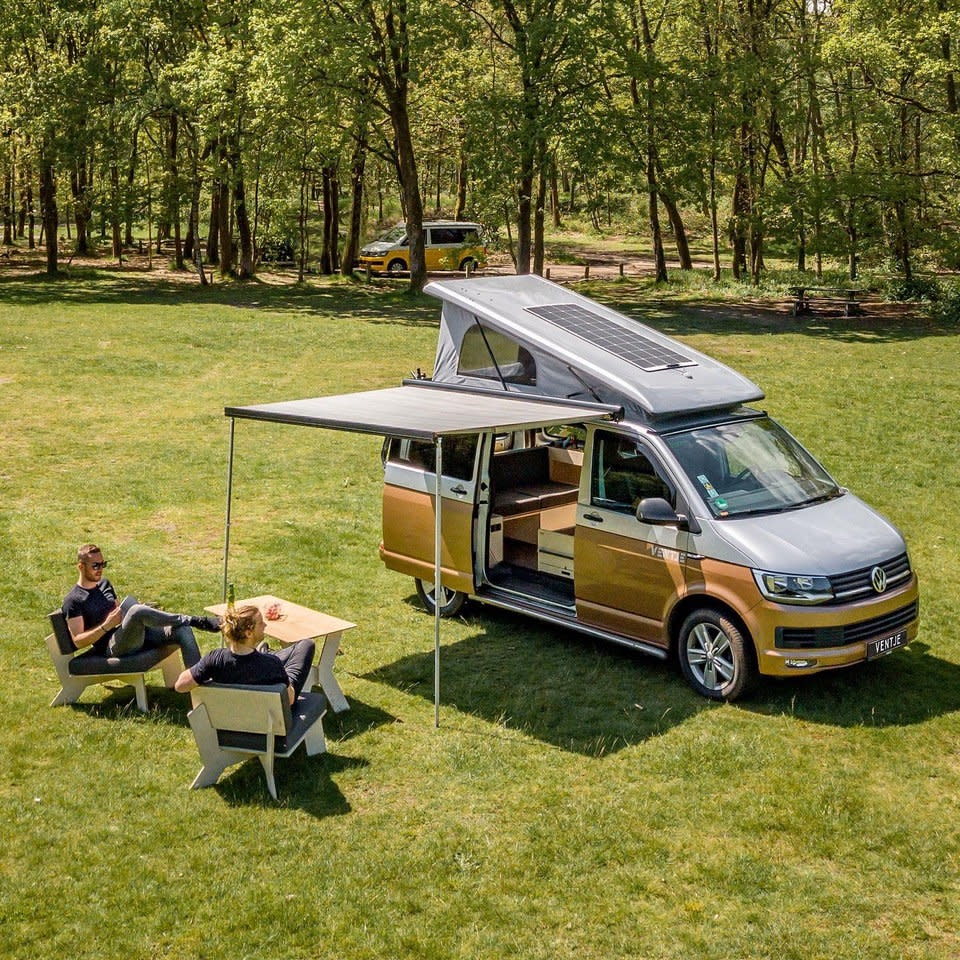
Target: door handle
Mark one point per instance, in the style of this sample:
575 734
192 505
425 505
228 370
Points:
459 489
595 517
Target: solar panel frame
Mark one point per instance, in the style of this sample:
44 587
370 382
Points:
634 348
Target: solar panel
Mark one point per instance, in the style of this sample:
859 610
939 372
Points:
603 332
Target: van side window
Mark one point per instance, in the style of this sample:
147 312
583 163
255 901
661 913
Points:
623 475
484 352
440 235
459 454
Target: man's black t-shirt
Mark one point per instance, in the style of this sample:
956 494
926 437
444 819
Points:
93 605
224 666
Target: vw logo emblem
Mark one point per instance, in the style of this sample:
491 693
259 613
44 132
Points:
878 577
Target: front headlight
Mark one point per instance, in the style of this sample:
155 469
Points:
793 588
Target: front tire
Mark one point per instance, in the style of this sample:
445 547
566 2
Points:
715 656
451 603
395 267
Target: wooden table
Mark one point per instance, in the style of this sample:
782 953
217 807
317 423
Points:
301 623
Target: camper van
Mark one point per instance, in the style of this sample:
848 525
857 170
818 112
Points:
448 245
690 525
599 476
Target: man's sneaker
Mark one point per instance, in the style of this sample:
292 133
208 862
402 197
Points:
263 646
210 624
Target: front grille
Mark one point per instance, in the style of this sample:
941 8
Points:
857 584
818 638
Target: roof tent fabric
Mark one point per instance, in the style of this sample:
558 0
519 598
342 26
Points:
423 410
584 361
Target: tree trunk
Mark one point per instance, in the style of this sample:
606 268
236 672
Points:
679 231
358 162
48 205
407 163
554 194
224 225
213 228
174 188
8 204
80 188
331 221
128 199
538 223
461 184
31 220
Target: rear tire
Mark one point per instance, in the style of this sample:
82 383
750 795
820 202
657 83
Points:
468 263
451 604
715 656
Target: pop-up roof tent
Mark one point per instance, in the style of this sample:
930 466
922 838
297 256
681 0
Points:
574 348
573 361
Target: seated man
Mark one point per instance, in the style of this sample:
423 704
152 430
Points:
95 618
245 659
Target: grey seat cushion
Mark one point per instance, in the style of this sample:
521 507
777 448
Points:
91 664
307 709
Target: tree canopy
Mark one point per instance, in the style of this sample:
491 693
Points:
816 126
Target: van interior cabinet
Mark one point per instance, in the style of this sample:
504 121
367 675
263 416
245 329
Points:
555 552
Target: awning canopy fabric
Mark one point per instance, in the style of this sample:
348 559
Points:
423 410
420 410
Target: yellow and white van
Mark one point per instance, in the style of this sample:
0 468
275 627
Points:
600 476
448 245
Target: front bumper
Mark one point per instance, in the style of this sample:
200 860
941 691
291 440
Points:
795 640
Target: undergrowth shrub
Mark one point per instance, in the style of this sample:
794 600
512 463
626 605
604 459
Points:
947 308
925 289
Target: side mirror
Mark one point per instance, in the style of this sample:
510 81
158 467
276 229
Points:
657 511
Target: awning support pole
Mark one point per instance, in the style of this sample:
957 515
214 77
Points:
438 593
226 530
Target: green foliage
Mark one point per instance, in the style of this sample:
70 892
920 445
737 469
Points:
925 289
947 307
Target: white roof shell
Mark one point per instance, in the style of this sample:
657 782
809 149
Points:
570 367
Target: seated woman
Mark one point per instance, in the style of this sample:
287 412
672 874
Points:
246 661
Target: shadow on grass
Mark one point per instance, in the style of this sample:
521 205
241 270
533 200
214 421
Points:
909 686
555 685
594 698
380 301
880 323
303 783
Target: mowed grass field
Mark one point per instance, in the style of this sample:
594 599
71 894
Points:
577 800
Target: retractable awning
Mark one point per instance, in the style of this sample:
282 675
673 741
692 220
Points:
424 410
420 410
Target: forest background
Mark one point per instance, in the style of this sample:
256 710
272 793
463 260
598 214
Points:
821 128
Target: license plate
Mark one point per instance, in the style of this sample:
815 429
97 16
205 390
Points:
885 645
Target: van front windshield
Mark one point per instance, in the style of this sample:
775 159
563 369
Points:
397 234
750 467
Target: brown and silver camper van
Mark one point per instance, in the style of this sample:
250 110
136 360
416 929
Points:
600 476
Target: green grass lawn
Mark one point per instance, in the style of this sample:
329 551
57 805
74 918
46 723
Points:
577 800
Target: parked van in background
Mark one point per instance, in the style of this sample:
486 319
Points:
448 245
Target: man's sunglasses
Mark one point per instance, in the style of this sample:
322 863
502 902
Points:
101 565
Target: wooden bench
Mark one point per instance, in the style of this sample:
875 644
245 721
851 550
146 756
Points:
233 723
77 671
845 298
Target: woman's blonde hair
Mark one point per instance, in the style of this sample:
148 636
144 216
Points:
238 625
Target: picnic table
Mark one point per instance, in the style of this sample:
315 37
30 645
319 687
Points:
298 623
804 299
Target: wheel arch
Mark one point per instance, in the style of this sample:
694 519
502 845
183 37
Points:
697 601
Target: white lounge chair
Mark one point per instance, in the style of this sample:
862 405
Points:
232 723
78 670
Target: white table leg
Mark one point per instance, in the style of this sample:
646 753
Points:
324 672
